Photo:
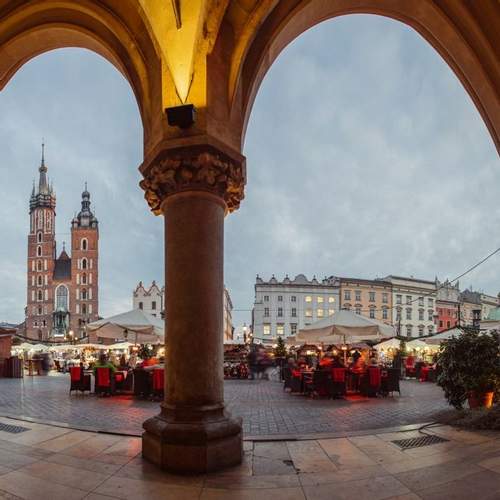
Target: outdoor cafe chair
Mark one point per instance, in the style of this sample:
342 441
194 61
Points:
318 383
287 377
372 381
158 383
103 382
78 380
337 383
392 381
142 384
296 384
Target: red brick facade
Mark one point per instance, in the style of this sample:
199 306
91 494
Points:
62 290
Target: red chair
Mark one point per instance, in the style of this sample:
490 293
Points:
374 380
338 383
79 381
103 382
158 382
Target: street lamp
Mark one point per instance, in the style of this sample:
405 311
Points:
245 328
70 333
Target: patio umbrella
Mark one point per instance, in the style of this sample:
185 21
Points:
143 328
388 344
345 327
416 344
447 334
118 345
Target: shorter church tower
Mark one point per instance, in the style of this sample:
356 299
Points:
84 265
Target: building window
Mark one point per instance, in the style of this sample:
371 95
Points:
153 305
44 322
308 298
430 316
39 265
84 294
84 244
408 314
280 311
420 315
440 323
421 301
358 295
280 298
84 309
331 311
358 310
320 313
384 313
331 299
40 310
372 313
84 279
39 251
294 312
399 299
398 315
62 295
293 328
309 312
40 220
141 305
347 295
266 298
430 302
266 329
385 298
408 300
320 299
84 263
39 237
420 331
372 296
294 298
448 324
266 311
440 311
408 331
431 330
40 296
40 280
280 329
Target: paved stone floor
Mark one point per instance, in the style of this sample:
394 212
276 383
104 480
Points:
53 463
265 408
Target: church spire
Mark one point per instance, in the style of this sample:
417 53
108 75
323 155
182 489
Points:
44 196
43 187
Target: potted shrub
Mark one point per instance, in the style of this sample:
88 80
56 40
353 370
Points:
470 368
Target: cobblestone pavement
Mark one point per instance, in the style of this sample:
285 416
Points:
265 408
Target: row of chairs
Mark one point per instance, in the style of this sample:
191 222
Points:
146 385
333 383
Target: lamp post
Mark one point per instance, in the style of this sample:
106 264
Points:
70 333
245 332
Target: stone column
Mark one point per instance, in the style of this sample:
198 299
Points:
193 188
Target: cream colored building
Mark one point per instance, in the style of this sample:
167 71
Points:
414 303
370 298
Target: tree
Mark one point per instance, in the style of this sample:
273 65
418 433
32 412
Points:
280 349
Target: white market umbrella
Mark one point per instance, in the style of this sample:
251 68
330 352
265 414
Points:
142 327
447 334
345 326
118 345
40 347
388 344
24 346
417 343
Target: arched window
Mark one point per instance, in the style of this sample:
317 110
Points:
39 251
84 244
84 263
40 280
84 294
39 265
40 296
40 219
39 237
40 310
35 323
84 279
44 322
62 295
84 309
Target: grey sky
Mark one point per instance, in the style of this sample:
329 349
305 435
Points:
365 158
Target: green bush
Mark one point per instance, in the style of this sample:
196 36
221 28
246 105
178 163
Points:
469 362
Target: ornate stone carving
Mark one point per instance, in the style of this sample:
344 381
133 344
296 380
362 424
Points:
204 172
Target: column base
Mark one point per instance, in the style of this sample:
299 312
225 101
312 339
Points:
193 440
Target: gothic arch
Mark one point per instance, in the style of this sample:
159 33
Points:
32 28
461 32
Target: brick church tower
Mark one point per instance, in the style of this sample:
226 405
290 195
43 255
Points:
62 291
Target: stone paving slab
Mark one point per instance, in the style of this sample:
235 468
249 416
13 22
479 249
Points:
267 410
358 468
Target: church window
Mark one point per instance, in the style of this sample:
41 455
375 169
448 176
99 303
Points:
35 323
39 251
84 279
39 265
40 280
84 309
40 296
44 322
62 296
84 244
39 237
84 294
40 219
40 310
153 305
84 263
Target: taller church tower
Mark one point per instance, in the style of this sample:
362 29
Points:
41 257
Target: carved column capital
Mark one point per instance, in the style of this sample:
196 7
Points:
178 171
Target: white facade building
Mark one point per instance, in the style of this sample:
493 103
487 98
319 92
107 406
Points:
414 303
152 300
282 308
